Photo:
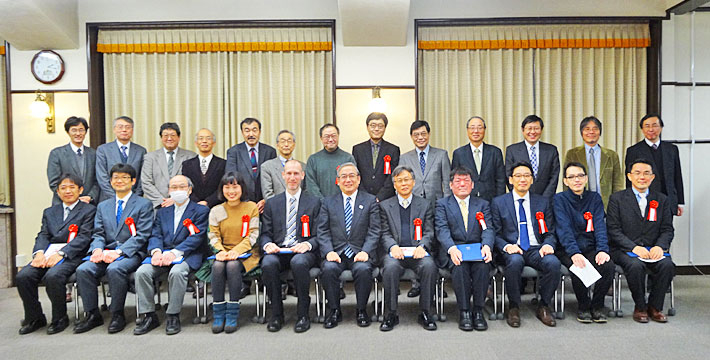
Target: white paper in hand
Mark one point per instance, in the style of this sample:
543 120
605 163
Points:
589 275
53 249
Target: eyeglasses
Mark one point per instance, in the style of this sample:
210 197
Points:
651 126
536 128
461 181
639 173
576 177
419 134
333 136
77 131
522 176
179 187
348 176
476 128
286 141
121 177
123 127
376 126
403 180
169 136
205 138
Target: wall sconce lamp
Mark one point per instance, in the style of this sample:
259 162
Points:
377 104
43 108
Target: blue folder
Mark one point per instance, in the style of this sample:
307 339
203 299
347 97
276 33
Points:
242 256
470 252
283 251
632 254
147 261
89 257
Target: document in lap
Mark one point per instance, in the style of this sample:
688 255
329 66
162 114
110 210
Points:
588 274
408 251
53 249
242 256
470 252
178 260
632 254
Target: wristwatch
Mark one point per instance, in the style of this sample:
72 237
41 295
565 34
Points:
62 254
119 252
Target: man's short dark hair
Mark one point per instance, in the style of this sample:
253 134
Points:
573 164
71 177
75 121
320 131
476 117
248 121
532 119
376 116
648 116
233 177
124 118
640 161
169 126
123 169
460 170
417 124
587 120
402 168
519 164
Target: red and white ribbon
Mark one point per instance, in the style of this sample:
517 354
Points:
418 229
652 210
190 226
336 174
73 230
305 228
540 216
245 225
481 220
131 225
590 225
388 167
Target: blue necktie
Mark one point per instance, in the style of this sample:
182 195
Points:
523 224
348 223
422 162
124 156
291 224
119 212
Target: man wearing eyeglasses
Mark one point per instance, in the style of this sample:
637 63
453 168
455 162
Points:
640 226
272 180
484 160
664 159
525 235
122 151
74 158
376 158
542 157
322 167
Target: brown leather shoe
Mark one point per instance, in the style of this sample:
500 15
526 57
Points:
545 315
656 315
640 316
513 317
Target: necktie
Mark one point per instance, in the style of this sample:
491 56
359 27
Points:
523 224
254 164
119 212
291 223
405 203
592 171
533 160
477 157
80 161
375 151
171 162
203 166
124 154
348 223
464 213
66 212
642 203
655 146
422 162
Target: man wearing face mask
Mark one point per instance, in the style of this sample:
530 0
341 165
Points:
177 245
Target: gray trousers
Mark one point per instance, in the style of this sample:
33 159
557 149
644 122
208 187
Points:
392 270
177 285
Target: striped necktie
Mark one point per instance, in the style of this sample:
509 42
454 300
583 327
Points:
291 223
348 223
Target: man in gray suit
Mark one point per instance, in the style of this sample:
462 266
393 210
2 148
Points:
74 158
161 165
120 151
543 157
272 181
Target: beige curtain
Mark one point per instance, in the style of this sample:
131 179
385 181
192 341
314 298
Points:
4 146
215 78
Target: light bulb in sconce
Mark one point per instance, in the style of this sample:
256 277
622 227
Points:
42 108
377 104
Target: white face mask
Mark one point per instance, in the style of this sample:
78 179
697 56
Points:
179 196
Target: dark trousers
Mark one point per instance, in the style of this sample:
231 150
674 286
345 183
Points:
229 273
471 278
392 270
548 265
88 277
362 276
601 287
661 274
300 264
54 280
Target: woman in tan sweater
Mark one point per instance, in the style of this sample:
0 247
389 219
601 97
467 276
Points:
234 230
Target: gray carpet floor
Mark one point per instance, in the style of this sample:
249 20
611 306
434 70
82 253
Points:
686 336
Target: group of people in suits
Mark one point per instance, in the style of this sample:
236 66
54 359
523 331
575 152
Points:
120 212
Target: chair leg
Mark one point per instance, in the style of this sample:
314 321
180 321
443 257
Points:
196 319
561 313
204 317
104 307
442 315
263 303
494 315
619 312
671 310
375 316
75 294
502 296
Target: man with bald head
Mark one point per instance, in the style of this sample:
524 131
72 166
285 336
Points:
204 170
177 244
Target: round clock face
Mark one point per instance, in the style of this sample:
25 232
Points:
47 66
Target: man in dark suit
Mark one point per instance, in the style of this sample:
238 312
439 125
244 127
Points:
458 223
59 247
247 157
407 222
664 159
204 170
286 225
371 158
121 151
640 221
74 158
525 235
117 249
177 244
543 158
348 234
485 161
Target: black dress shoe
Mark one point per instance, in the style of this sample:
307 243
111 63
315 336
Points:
513 318
302 325
275 324
118 323
246 290
148 322
362 319
426 321
333 319
342 294
33 325
390 321
58 326
172 324
414 292
465 321
479 321
92 320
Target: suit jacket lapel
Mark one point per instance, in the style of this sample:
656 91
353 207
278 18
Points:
430 161
357 212
393 209
541 158
262 154
510 202
72 214
476 168
132 153
187 214
631 199
417 168
243 152
471 216
604 159
74 159
454 205
486 159
163 163
127 208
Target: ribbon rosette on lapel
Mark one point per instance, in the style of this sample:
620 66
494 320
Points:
481 220
190 226
245 225
305 229
73 230
590 225
131 225
388 167
418 229
652 210
540 216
